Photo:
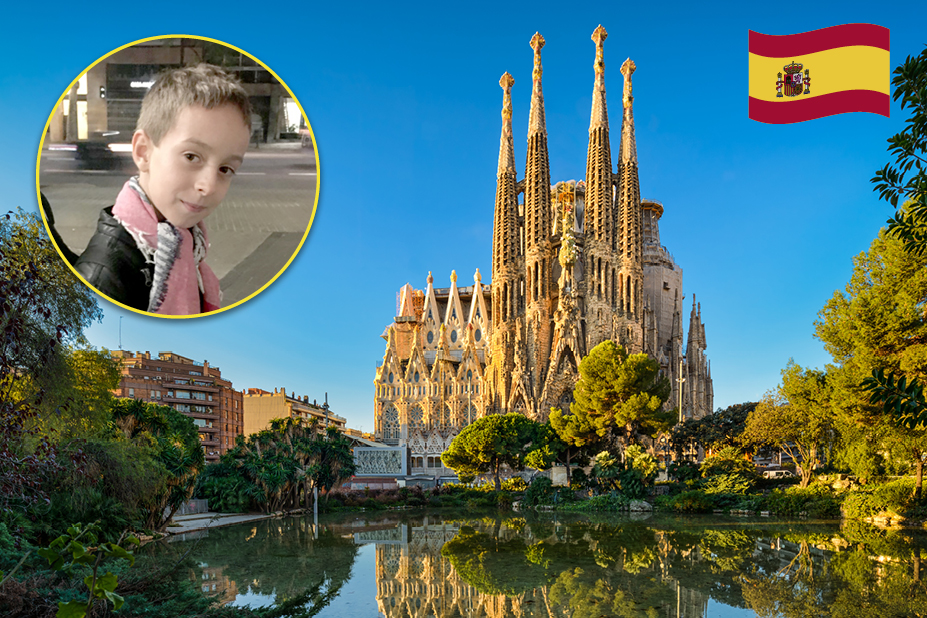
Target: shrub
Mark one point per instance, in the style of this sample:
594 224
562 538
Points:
693 501
684 471
579 480
726 483
607 502
814 501
539 492
895 498
633 483
516 483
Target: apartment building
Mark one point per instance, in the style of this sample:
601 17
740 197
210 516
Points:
262 406
193 388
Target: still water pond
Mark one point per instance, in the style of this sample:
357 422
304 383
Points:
462 564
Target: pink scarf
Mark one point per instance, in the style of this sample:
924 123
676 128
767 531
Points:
180 274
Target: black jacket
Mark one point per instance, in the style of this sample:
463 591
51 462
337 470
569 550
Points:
113 264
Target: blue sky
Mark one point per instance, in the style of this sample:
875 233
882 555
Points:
405 108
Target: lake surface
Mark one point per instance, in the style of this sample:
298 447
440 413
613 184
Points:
449 564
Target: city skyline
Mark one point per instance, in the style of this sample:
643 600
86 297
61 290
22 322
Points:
763 219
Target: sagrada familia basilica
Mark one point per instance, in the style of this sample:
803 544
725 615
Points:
573 264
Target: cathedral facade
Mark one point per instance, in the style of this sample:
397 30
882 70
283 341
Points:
573 264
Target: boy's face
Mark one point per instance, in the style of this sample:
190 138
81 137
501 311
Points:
187 174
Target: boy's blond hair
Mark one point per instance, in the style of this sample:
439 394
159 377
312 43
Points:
205 85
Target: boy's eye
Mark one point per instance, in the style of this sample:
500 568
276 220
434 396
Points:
225 170
189 156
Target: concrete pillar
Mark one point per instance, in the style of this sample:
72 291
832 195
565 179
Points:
71 127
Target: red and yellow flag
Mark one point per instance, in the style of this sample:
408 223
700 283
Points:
834 70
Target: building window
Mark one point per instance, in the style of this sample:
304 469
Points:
390 377
416 418
416 376
391 424
453 336
478 334
131 392
431 336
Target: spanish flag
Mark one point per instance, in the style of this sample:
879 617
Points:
835 70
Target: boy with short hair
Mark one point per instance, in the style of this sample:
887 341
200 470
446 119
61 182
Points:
149 248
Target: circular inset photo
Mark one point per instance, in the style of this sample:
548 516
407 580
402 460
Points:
178 176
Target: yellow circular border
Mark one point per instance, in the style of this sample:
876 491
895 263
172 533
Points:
315 146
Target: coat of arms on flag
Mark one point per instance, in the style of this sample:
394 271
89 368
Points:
852 73
795 83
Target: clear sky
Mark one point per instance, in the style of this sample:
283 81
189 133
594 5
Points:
405 105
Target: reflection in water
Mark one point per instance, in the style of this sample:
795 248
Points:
581 567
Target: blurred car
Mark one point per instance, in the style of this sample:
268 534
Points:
103 150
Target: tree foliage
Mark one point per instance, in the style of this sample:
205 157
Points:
178 452
493 441
905 179
577 435
796 418
620 396
43 309
713 432
283 464
878 324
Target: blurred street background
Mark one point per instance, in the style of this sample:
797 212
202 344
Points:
252 234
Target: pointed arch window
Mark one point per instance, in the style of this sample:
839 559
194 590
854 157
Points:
391 424
453 313
416 419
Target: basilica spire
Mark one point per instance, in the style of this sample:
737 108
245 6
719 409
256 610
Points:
505 228
599 203
537 167
628 213
539 286
505 248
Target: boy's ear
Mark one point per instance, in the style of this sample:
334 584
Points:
142 146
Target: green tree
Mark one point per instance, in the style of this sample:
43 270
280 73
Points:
713 432
877 327
491 442
177 449
285 462
622 396
44 309
577 434
796 418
